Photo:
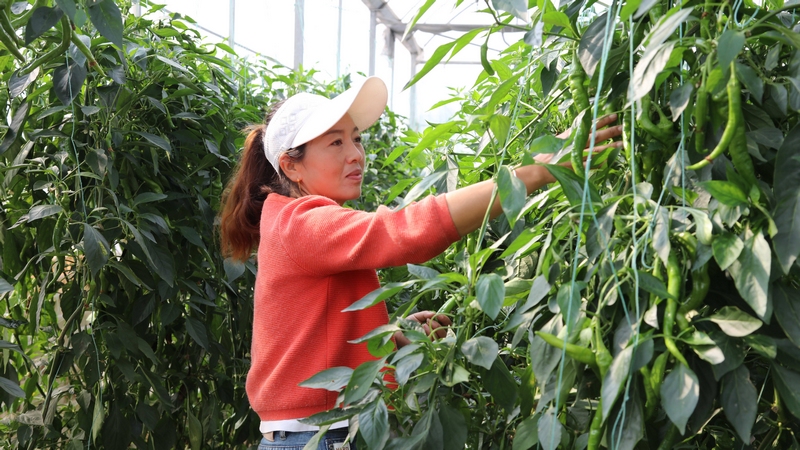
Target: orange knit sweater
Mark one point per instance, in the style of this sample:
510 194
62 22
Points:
315 258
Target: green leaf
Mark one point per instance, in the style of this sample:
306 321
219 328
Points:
198 331
543 356
379 331
590 48
18 83
331 416
726 192
421 188
568 299
732 350
626 424
42 211
751 271
361 380
788 384
598 236
15 126
739 400
373 424
615 379
751 81
68 80
158 141
422 272
557 18
651 64
69 8
549 429
527 435
378 295
726 248
5 287
148 197
333 379
660 241
481 351
42 19
233 269
786 299
406 366
518 8
572 185
195 429
106 17
313 443
735 322
417 16
546 144
786 215
512 194
499 382
454 426
437 56
679 100
97 418
96 248
653 285
763 345
728 46
679 394
12 388
490 292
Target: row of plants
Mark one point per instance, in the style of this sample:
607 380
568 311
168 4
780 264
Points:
120 322
649 300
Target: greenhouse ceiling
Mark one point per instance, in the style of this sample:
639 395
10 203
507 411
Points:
337 37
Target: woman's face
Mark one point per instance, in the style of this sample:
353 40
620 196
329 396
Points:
333 164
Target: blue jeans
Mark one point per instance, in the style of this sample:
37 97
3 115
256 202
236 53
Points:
298 440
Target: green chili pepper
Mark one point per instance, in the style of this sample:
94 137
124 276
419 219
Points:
700 284
655 380
674 281
92 62
670 438
581 101
66 33
601 354
596 428
8 42
576 352
700 118
739 154
652 129
734 122
626 145
650 396
5 22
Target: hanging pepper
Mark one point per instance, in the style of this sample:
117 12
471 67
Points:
576 352
735 121
581 101
674 281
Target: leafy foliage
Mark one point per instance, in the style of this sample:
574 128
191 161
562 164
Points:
122 325
647 301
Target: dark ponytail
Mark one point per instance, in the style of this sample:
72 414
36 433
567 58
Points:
253 179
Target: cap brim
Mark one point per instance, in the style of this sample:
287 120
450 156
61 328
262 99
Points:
365 104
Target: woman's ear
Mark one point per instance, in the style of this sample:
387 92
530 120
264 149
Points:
289 167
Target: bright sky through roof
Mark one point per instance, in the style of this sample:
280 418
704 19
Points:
267 28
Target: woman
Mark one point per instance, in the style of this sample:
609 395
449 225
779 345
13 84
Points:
316 257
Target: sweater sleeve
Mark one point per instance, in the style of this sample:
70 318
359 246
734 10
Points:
324 238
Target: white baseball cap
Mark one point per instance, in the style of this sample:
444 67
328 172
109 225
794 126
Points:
303 117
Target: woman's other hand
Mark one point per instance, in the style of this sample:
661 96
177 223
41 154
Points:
433 326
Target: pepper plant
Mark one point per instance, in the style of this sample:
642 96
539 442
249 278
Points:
121 323
648 300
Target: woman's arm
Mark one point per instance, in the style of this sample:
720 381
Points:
468 205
